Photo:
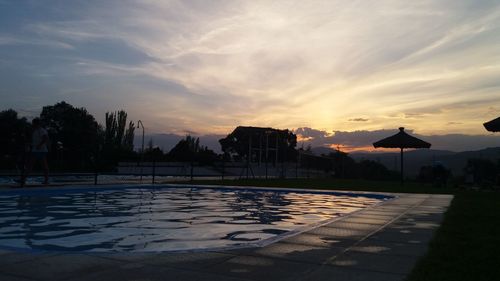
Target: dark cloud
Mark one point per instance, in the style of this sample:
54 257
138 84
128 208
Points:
461 142
359 138
359 120
453 142
311 133
414 115
191 133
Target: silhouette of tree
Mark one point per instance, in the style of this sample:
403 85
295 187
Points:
117 136
238 142
372 170
484 171
189 149
76 130
118 139
152 152
185 149
12 138
206 156
437 173
343 165
128 139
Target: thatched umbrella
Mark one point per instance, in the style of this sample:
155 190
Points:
401 140
493 125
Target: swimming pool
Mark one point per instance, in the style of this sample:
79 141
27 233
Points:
164 218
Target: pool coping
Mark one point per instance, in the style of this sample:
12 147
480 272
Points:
381 242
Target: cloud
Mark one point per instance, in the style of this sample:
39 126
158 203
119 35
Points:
359 119
287 64
311 133
19 41
365 139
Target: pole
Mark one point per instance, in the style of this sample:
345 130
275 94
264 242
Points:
249 154
96 164
283 159
260 149
223 166
276 152
191 172
402 171
154 172
267 150
142 146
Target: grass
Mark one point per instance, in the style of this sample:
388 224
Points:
465 247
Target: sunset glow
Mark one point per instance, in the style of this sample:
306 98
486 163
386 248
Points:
207 67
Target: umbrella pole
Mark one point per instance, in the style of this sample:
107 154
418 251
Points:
402 173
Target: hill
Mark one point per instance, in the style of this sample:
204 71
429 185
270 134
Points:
414 159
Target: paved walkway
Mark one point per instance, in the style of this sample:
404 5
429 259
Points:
379 243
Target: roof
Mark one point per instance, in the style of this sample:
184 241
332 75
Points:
257 130
493 125
401 140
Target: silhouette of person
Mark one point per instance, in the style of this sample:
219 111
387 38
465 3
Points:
22 149
39 151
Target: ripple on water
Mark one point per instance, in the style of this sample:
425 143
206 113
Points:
138 219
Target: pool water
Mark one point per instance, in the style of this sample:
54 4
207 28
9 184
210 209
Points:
138 219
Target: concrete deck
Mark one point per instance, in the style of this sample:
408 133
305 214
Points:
379 243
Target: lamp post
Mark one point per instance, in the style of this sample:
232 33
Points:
142 146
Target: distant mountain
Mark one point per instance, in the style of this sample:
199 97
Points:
322 150
413 160
457 161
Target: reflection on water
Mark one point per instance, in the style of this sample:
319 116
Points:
135 219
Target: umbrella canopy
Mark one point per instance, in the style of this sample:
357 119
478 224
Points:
493 125
401 140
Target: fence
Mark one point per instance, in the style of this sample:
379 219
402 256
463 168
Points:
220 170
159 172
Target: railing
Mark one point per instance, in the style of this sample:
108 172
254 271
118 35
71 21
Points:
159 172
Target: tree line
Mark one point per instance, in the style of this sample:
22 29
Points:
77 140
79 143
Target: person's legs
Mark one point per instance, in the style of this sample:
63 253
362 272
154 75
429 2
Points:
45 170
27 170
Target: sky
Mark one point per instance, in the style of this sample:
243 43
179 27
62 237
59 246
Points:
205 67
